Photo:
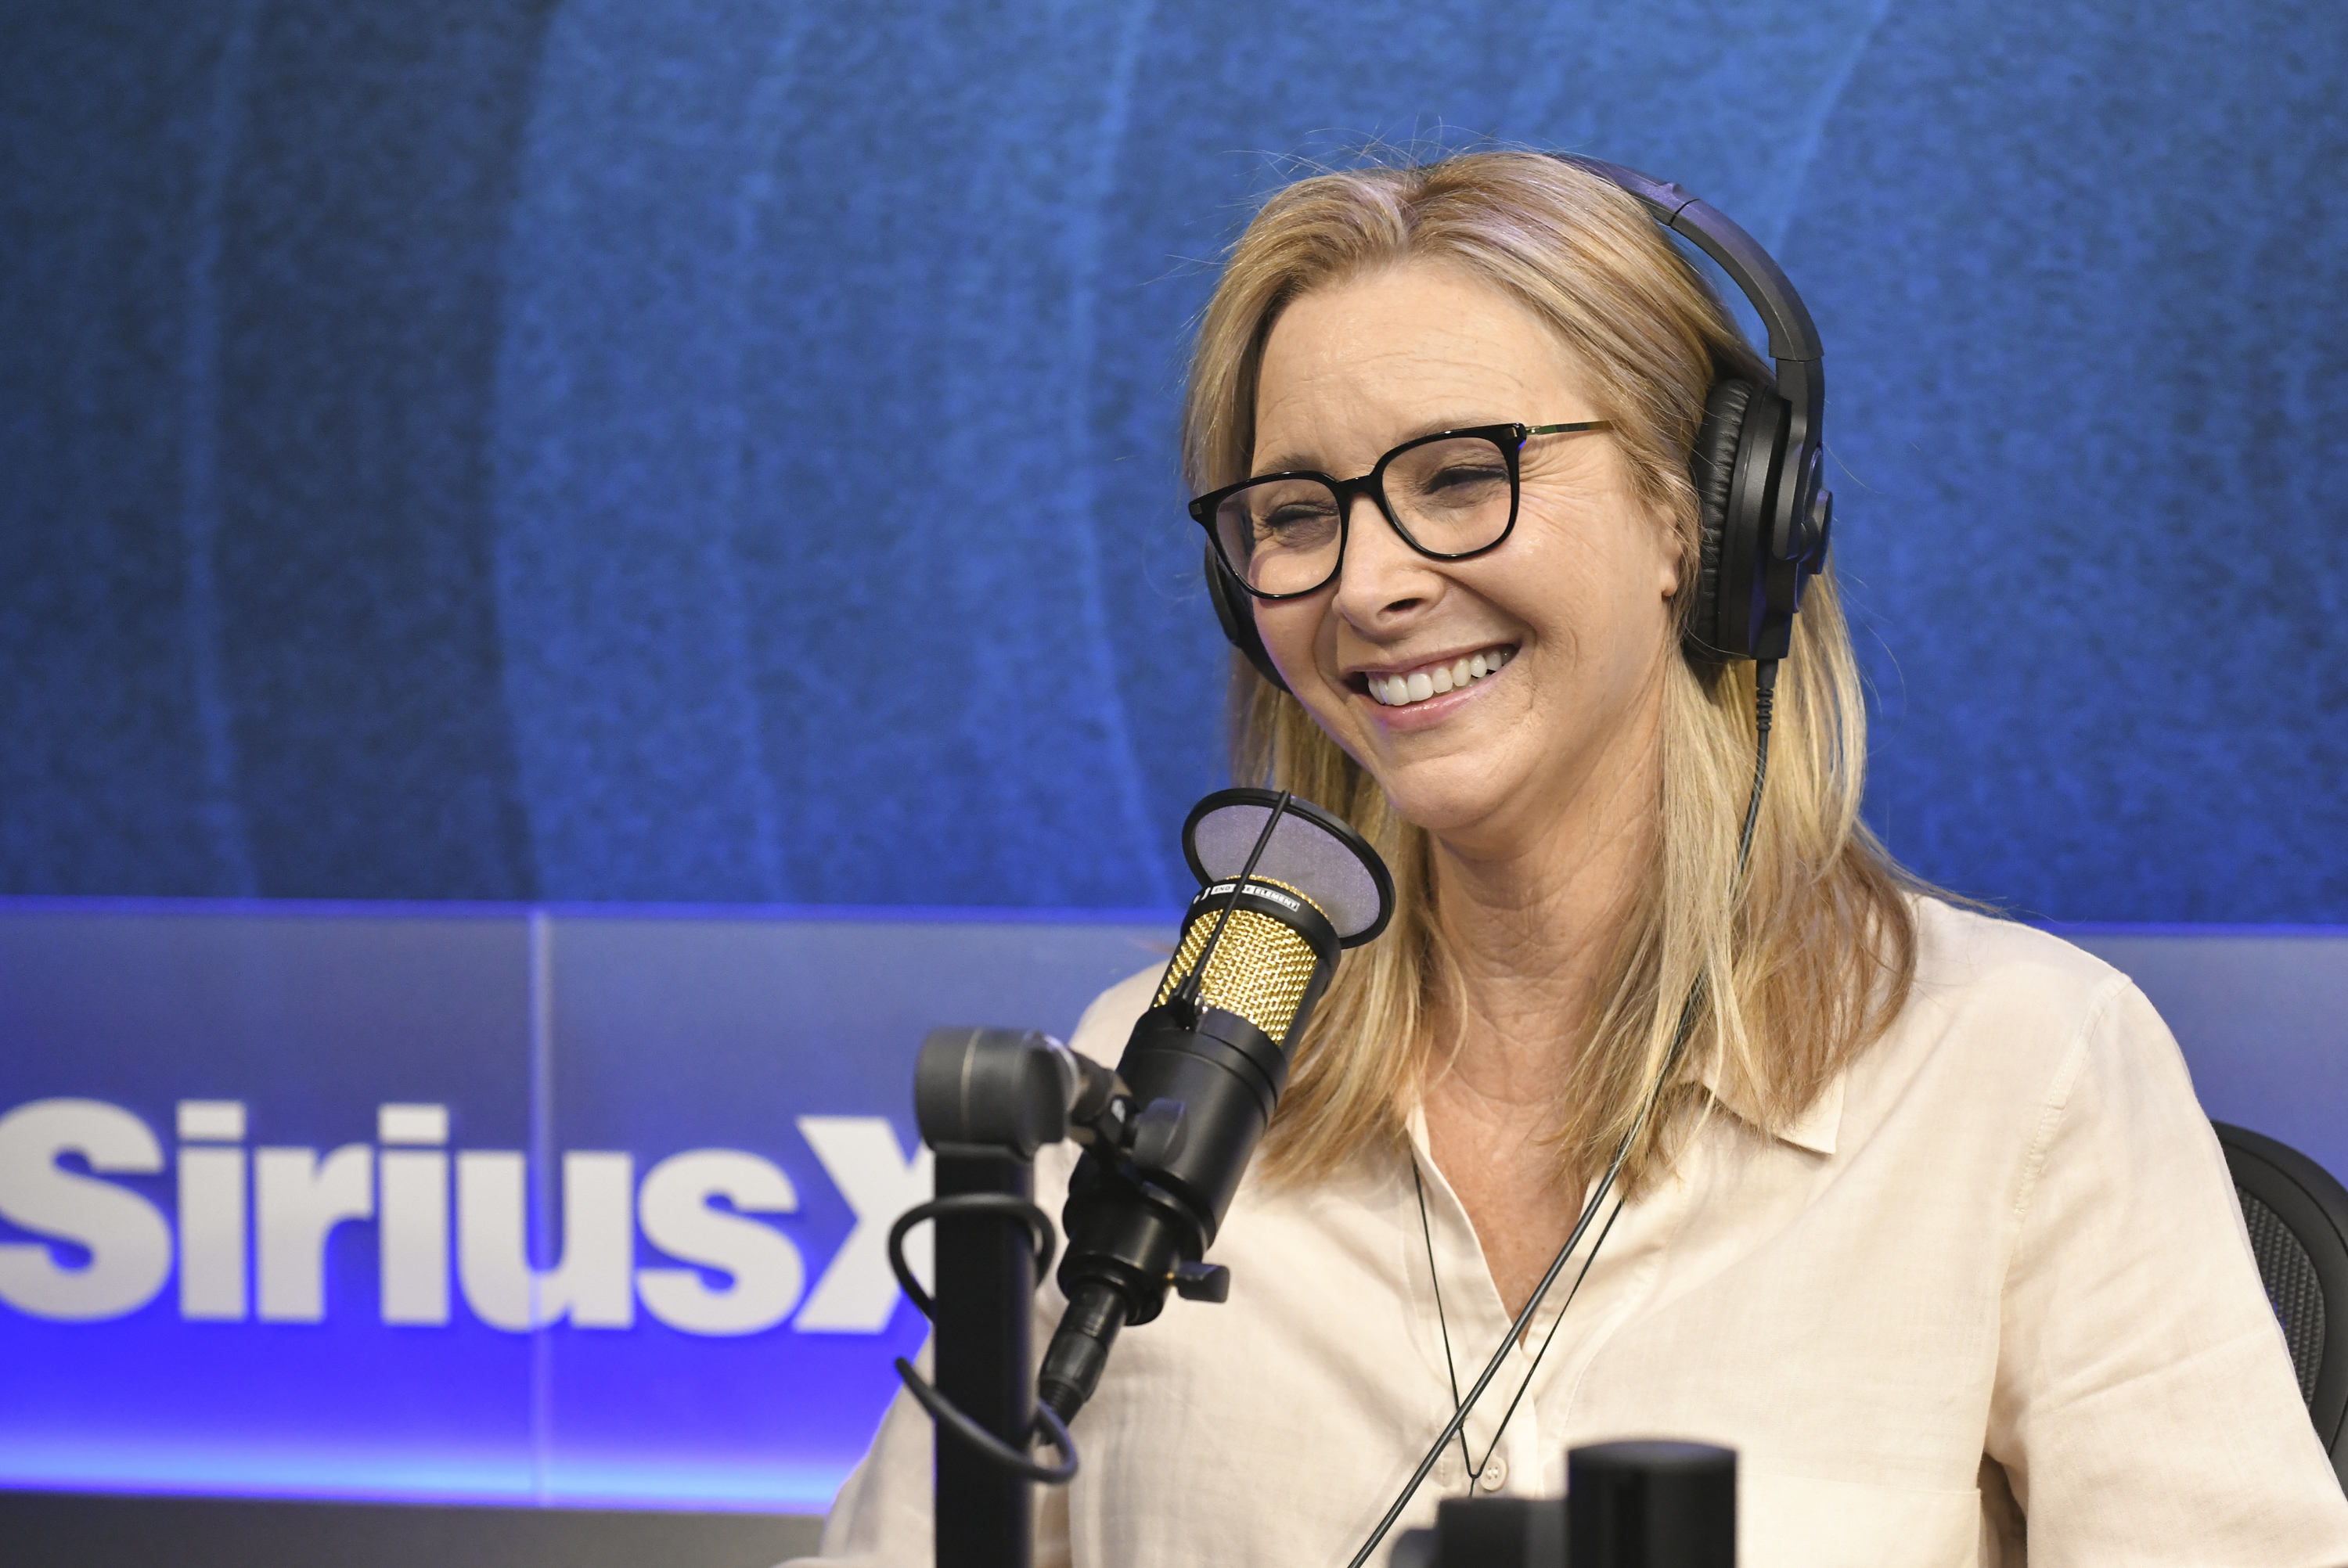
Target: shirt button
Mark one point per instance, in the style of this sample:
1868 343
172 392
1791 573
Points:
1496 1474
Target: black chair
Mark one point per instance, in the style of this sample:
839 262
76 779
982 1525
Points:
2298 1219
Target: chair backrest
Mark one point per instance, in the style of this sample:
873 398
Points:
2297 1213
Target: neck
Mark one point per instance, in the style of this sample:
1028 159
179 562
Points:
1532 927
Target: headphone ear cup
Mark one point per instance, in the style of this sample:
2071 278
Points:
1235 609
1712 465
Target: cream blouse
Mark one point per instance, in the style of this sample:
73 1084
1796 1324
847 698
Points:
1994 1285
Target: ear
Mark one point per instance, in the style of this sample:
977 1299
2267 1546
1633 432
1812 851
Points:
1671 561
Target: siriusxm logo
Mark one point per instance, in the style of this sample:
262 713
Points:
250 1233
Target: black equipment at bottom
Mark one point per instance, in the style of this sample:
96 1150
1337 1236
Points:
1627 1505
1651 1505
986 1100
1486 1532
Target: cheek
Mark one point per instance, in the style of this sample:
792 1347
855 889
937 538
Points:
1608 570
1569 586
1290 631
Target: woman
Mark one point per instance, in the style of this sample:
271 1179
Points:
1926 1223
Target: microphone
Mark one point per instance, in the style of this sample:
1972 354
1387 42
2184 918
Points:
1285 887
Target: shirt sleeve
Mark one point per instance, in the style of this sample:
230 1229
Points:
2145 1408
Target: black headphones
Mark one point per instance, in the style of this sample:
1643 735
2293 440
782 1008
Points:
1757 463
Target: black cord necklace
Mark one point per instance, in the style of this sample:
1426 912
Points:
1450 1367
1426 1234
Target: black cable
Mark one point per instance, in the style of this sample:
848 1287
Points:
1763 705
950 1417
1491 1370
1039 1224
1546 1340
1450 1367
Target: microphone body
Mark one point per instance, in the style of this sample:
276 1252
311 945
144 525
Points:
1209 1061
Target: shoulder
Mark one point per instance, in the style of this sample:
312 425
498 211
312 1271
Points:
1102 1032
2033 1078
2009 1021
1963 956
2032 990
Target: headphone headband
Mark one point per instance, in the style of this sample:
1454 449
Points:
1792 334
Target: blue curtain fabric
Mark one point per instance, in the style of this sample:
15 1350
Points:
724 451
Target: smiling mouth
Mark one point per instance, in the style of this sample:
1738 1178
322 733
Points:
1428 681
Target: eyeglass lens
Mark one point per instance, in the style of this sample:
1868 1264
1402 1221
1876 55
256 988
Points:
1450 498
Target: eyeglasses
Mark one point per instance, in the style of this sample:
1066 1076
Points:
1450 495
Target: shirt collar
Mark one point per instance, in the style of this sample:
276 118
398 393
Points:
1813 1129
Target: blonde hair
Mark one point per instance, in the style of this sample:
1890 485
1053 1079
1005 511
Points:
1807 958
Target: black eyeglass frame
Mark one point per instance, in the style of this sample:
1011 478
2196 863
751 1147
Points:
1509 438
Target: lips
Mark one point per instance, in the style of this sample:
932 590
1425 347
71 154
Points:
1400 689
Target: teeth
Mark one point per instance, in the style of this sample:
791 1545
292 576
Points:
1400 691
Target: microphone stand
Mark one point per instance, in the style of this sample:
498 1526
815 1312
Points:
985 1100
985 1275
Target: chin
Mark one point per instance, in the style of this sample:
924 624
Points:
1446 805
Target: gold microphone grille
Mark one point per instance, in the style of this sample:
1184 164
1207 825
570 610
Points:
1260 969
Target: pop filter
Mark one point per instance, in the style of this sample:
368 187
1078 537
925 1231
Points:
1319 856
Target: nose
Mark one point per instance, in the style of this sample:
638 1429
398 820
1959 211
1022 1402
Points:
1382 580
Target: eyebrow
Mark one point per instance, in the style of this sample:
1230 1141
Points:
1290 462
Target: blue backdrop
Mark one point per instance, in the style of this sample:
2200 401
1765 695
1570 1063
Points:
723 451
